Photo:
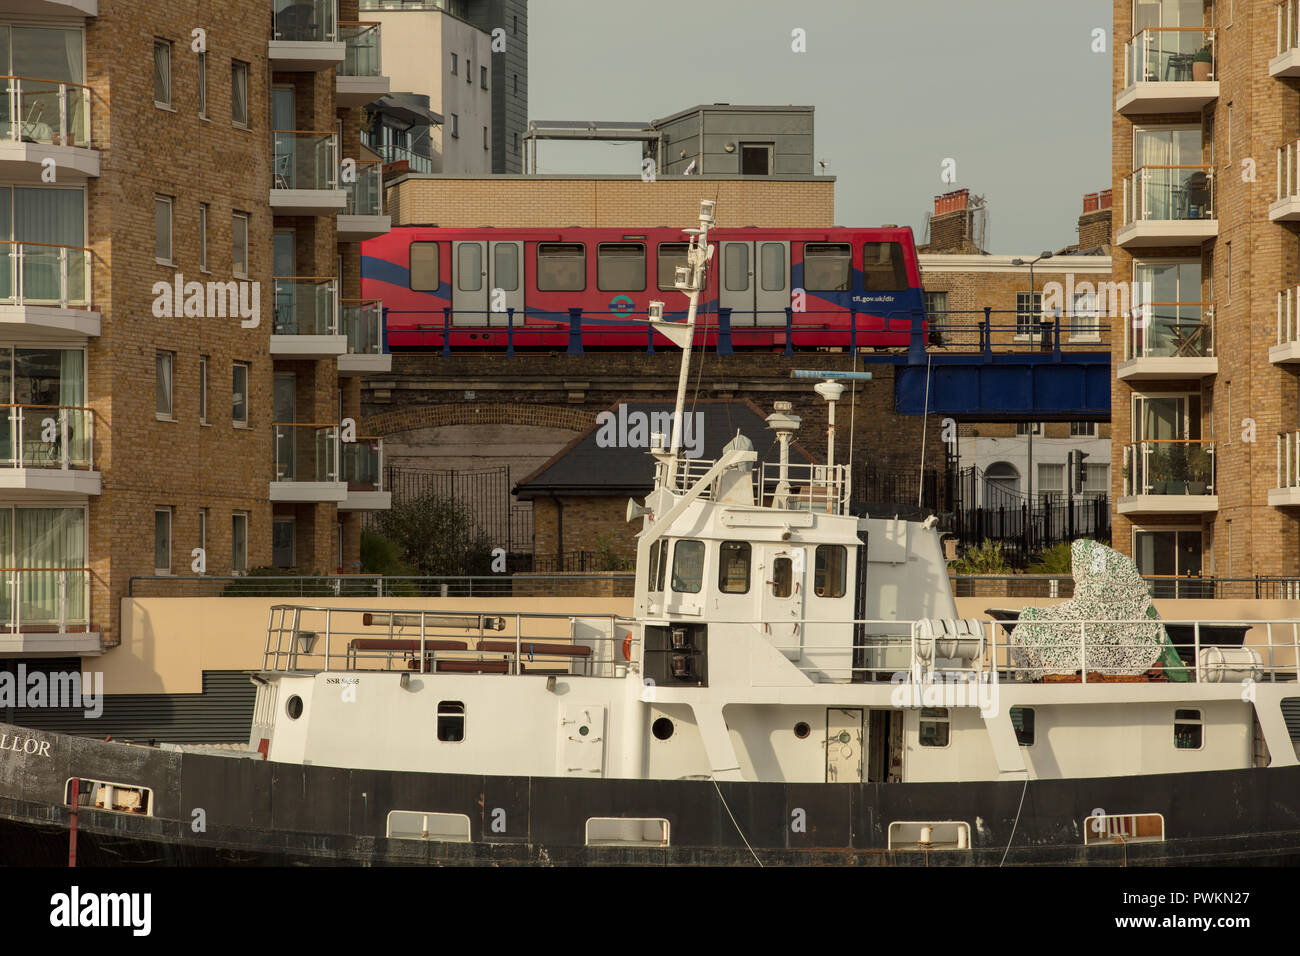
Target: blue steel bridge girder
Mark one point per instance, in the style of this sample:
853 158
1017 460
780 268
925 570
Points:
1029 386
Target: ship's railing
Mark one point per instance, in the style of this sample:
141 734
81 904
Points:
311 639
809 487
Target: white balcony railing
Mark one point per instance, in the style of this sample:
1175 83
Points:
1169 55
1169 194
47 436
360 320
1288 26
48 112
1170 330
44 600
306 452
41 274
305 21
1169 467
306 306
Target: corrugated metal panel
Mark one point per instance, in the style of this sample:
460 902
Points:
1291 713
222 713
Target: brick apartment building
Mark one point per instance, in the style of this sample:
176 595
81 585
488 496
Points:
1207 115
153 147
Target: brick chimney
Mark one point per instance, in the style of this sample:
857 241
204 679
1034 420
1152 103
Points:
1094 223
950 224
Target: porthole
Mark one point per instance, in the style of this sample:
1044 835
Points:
662 728
584 730
802 730
293 707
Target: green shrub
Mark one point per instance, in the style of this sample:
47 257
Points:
985 558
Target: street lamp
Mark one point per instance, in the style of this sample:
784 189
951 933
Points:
1045 254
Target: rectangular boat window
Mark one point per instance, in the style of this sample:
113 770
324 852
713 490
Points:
451 720
782 577
829 571
561 267
733 567
424 267
883 269
934 726
654 565
1188 729
620 267
1022 721
671 255
688 566
826 266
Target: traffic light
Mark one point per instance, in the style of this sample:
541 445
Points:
1079 468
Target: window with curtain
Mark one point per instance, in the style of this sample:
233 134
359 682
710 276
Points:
239 394
162 73
162 228
203 236
239 239
162 541
164 365
203 84
239 93
49 545
52 217
239 542
54 381
203 389
1166 192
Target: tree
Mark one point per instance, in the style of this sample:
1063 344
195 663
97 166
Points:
434 536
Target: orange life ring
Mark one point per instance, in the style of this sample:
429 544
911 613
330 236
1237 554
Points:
627 648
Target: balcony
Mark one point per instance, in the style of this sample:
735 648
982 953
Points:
1169 476
48 449
1169 340
359 79
1287 490
47 288
1287 61
363 215
392 153
361 320
45 612
45 119
305 177
306 322
1287 350
363 470
1168 206
1168 70
53 8
305 36
1286 207
306 459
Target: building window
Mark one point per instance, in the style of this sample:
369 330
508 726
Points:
688 566
239 93
162 73
620 267
451 721
203 85
239 542
756 159
1026 428
1189 729
936 306
1027 312
934 727
423 267
164 369
1085 325
203 389
733 567
829 570
162 541
203 237
561 267
282 543
239 244
1083 429
514 25
162 229
516 80
482 77
1228 272
1022 721
1051 479
486 143
1097 480
455 126
239 394
469 72
827 266
454 61
514 142
203 532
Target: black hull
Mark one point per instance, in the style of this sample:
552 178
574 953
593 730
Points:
260 813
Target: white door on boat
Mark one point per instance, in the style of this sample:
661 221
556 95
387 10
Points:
843 745
782 602
581 744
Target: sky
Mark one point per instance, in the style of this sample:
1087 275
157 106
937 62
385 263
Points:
1012 90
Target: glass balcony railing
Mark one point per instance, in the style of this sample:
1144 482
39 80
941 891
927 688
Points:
363 464
457 8
1169 55
1288 460
49 112
360 319
393 153
1169 194
1169 467
47 436
304 21
1288 316
362 57
306 452
44 599
305 160
1288 26
365 195
1170 330
37 273
305 306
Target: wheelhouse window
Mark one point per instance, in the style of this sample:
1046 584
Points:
561 267
451 721
883 268
688 566
658 565
934 728
620 267
782 577
830 569
423 267
671 255
733 567
827 266
1189 729
1022 722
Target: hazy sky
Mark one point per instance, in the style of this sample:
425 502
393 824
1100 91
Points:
1010 89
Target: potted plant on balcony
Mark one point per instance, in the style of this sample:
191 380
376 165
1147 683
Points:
1198 470
1201 61
1178 470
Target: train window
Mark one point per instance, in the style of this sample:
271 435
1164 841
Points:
735 266
883 269
828 573
733 567
688 566
671 255
826 266
424 267
620 267
505 266
469 266
771 263
561 267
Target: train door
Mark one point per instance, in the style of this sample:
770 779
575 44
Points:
736 282
469 286
505 282
772 290
755 282
782 609
843 745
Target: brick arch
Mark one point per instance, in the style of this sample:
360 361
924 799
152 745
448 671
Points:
492 413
